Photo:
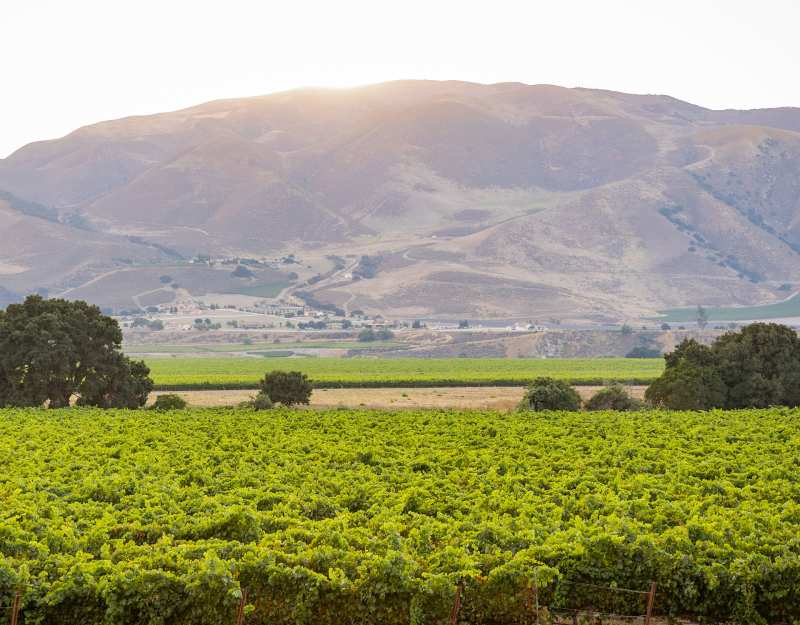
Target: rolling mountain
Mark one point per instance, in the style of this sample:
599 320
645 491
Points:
468 200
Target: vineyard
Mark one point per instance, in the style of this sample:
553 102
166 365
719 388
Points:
231 373
305 517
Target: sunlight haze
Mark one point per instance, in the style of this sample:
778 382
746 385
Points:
72 64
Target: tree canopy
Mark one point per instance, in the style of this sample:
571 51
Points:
287 387
54 350
758 366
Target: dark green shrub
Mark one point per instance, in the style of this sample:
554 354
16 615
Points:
287 387
261 402
366 335
169 402
550 394
613 398
242 272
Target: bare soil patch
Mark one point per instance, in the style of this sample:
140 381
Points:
472 398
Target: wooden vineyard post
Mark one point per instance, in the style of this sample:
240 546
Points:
15 608
456 604
651 599
240 610
533 601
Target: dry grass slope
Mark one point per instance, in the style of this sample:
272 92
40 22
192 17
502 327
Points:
485 200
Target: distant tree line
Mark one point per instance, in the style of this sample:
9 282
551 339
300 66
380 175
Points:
643 351
140 322
206 324
368 335
313 302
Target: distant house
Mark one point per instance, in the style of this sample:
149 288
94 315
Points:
381 323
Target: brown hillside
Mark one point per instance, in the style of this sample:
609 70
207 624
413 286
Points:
482 200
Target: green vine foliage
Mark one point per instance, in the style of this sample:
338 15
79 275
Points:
364 517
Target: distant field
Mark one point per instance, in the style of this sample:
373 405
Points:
231 373
160 348
780 310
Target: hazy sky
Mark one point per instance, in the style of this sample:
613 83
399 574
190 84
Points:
70 63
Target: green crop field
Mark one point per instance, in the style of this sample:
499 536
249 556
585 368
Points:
187 373
787 308
361 517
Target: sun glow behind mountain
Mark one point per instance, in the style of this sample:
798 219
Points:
92 60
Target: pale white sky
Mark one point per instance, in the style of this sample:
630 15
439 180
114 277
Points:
67 63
